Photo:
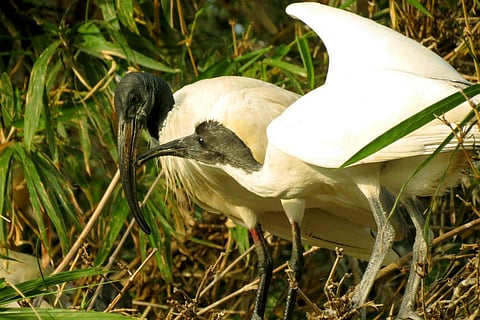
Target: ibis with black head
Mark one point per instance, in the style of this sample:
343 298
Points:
362 98
246 106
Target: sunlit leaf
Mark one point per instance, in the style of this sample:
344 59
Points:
33 288
420 7
95 44
307 60
57 314
6 156
118 215
36 89
126 14
109 13
6 99
252 58
286 66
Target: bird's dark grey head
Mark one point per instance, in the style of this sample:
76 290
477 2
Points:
212 144
144 98
141 101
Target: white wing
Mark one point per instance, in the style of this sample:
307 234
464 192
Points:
357 45
330 124
376 79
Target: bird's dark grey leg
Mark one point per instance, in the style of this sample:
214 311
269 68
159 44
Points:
370 187
419 260
295 265
294 209
265 269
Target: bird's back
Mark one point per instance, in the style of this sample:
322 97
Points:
247 106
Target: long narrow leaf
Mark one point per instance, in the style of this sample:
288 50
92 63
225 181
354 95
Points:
286 67
126 14
37 287
109 13
420 7
118 215
32 179
96 45
60 190
57 314
307 60
42 200
6 99
6 156
36 88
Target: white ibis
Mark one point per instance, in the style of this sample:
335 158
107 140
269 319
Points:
376 79
246 106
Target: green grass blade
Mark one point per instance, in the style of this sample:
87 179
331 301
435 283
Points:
160 239
6 157
57 314
419 7
126 15
59 190
109 13
285 66
33 288
36 89
413 123
118 214
307 60
7 102
96 45
42 198
32 179
252 57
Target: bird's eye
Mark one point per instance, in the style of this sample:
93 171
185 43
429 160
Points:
201 141
133 99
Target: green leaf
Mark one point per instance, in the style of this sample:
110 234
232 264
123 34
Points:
36 88
6 157
109 13
413 123
126 14
222 67
60 191
160 239
33 288
286 67
118 215
32 179
7 101
252 57
307 60
43 200
57 314
96 45
420 7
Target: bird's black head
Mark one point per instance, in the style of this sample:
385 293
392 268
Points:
212 144
141 101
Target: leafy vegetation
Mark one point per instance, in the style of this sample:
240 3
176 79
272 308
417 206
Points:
59 192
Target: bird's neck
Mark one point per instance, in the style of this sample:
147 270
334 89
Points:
278 177
252 177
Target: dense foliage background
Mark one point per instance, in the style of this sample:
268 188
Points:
60 199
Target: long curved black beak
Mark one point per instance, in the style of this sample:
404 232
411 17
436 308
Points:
128 132
175 148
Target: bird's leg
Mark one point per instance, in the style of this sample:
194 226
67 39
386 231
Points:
294 209
419 260
265 268
370 187
295 266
